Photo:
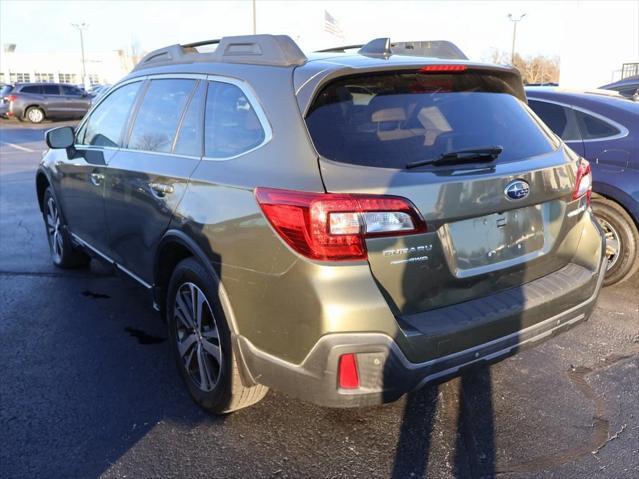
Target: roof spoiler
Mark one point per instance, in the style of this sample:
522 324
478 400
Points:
383 47
272 50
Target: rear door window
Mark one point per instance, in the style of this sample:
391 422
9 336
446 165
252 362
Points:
36 89
560 120
51 89
159 115
391 119
106 124
231 127
189 139
593 128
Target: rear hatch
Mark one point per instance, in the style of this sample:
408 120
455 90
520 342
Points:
497 202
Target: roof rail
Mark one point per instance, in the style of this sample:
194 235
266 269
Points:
423 48
272 50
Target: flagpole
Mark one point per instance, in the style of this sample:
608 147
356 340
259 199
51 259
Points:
254 18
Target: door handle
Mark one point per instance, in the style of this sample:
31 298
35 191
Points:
96 179
160 189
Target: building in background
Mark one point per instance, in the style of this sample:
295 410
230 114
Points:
104 68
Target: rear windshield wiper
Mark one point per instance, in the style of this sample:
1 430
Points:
487 154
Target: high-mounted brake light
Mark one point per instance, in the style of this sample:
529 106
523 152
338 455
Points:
583 182
334 226
443 68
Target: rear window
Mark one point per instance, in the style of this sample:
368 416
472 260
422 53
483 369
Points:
392 119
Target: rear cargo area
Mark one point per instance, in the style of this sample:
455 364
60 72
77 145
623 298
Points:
423 135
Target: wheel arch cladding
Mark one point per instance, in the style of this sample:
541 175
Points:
170 252
42 183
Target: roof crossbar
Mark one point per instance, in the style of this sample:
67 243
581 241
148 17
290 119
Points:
340 49
202 43
272 50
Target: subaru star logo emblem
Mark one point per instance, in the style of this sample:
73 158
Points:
516 190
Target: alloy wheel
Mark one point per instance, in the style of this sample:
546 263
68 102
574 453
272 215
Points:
53 230
198 340
35 115
613 243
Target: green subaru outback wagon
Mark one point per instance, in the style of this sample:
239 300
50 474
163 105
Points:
344 227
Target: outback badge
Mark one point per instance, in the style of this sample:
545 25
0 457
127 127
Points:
517 190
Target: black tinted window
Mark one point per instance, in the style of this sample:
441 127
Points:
159 115
390 120
105 125
592 127
232 126
189 140
50 89
71 90
31 89
558 118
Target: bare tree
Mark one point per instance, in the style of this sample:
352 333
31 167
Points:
131 55
533 69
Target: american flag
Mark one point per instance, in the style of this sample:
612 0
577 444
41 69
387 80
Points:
331 25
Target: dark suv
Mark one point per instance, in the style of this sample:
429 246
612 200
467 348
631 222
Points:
37 101
341 227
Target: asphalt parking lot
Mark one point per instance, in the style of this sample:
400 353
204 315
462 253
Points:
88 387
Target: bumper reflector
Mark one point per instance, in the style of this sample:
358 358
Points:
347 372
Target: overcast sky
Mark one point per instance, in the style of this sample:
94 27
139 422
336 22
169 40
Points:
475 26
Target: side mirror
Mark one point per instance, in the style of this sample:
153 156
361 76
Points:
59 138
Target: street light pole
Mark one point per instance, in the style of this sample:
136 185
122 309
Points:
81 27
512 18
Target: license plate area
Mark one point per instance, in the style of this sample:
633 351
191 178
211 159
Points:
486 243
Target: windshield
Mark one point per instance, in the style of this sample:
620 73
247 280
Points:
392 119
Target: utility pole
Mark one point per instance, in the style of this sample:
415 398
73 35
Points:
254 18
81 27
512 18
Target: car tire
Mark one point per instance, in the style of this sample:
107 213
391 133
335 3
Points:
622 240
202 347
63 253
34 114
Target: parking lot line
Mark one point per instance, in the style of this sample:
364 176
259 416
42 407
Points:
18 147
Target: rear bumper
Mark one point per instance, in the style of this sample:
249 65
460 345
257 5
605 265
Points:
385 373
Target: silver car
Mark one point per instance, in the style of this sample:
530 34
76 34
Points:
36 102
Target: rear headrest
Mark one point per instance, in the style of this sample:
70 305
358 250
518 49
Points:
388 114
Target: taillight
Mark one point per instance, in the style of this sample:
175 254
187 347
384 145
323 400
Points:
10 98
333 226
443 68
347 375
583 182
